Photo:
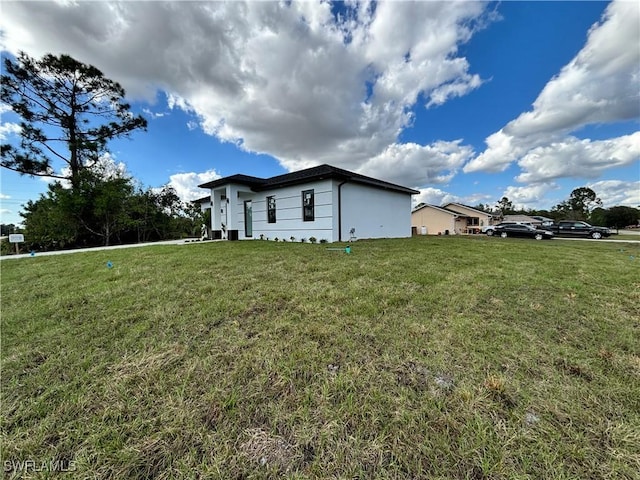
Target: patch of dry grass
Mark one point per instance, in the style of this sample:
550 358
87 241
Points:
430 358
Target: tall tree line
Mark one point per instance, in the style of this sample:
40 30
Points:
69 111
106 211
583 204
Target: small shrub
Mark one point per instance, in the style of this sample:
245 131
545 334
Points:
275 239
323 240
262 236
292 238
302 240
6 248
313 239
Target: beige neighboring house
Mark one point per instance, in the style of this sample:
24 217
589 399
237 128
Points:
431 220
452 218
476 219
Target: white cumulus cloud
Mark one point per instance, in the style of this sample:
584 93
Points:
7 129
151 114
617 192
288 79
529 196
417 165
599 85
438 197
186 184
572 157
434 196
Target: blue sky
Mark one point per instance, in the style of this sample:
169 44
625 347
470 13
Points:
465 101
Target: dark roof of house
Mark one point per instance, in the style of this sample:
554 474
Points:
239 178
321 172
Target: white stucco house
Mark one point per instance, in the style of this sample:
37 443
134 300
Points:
324 202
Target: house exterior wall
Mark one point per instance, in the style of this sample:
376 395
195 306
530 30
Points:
216 207
373 212
226 205
289 220
436 221
484 218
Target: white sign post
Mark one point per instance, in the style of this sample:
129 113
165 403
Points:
16 238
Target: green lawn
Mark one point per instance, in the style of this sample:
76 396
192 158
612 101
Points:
434 358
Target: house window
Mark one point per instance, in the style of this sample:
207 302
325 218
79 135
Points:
473 221
308 214
248 219
271 209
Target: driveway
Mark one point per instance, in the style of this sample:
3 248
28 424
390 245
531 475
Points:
184 241
614 240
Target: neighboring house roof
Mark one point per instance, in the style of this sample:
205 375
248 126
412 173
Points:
459 205
542 219
203 200
520 218
440 209
321 172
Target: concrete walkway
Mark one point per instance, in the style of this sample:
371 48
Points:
609 239
184 241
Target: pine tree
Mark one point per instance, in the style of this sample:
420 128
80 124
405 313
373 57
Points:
69 112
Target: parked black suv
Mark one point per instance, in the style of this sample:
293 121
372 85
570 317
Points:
574 228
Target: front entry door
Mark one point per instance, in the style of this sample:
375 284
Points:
248 219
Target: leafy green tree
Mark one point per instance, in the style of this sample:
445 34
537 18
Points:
101 206
7 228
599 217
540 213
484 208
504 206
48 224
159 214
581 202
621 216
196 218
69 113
562 212
106 207
144 214
168 199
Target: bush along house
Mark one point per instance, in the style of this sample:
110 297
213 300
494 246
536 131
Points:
323 202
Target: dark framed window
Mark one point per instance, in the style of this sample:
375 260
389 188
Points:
308 213
271 209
